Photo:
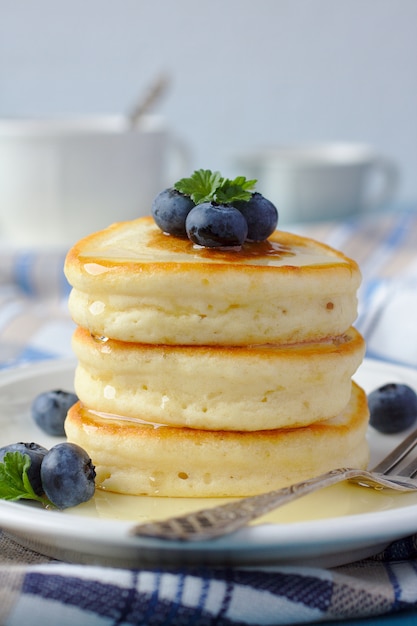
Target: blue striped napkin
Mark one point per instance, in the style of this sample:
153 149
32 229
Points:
34 318
73 595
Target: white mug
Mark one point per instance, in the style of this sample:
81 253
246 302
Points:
322 181
61 179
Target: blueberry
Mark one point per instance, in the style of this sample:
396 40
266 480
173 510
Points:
49 410
36 454
392 408
214 226
261 216
170 209
68 475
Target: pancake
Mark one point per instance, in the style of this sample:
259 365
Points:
133 283
140 458
218 388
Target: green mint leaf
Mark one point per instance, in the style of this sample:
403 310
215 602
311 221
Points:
14 481
241 181
200 186
11 471
233 190
208 186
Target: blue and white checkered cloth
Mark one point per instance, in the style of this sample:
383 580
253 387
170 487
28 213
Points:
34 318
36 590
75 595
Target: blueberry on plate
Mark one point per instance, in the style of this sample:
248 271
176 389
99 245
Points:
216 225
170 209
36 454
68 475
392 408
49 410
261 216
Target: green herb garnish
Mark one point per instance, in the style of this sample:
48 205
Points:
14 481
207 186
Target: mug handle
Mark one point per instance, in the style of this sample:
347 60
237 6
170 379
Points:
388 172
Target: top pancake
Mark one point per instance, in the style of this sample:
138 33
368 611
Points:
133 283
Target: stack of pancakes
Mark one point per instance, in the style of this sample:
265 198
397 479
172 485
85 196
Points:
207 372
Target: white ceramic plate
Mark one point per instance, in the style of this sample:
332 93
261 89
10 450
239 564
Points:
334 526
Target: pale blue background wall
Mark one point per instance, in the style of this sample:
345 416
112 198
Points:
244 72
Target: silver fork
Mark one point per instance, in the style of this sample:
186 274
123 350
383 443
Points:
221 520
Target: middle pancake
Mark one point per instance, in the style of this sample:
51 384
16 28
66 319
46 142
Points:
246 388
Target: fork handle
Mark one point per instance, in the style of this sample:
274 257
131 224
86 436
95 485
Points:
221 520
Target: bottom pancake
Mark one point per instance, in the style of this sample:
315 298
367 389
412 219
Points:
141 458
